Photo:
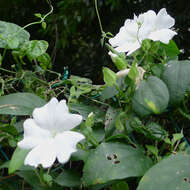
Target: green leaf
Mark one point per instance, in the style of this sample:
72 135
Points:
110 77
17 159
110 91
152 149
20 103
35 48
170 49
156 131
12 35
176 77
85 110
119 61
31 178
44 25
151 97
110 118
48 179
120 186
113 161
120 120
45 61
177 137
80 155
38 15
133 72
68 178
172 172
12 43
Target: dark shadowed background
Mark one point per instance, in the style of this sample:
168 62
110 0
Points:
73 32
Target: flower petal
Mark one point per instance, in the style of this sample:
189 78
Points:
148 18
120 37
164 20
62 107
44 154
65 122
65 144
33 135
44 116
129 47
163 35
134 47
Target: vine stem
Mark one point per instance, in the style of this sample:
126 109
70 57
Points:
7 70
98 15
37 22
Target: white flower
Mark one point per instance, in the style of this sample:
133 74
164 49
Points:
48 134
146 26
129 37
160 25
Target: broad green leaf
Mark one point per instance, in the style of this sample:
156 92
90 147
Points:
12 35
110 91
171 49
151 97
157 70
120 186
68 178
110 77
176 77
35 48
85 110
12 43
171 173
80 155
20 103
113 161
31 178
17 159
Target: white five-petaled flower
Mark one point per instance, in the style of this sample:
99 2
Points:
48 134
146 26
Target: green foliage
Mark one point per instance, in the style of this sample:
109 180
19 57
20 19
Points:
17 159
20 103
151 97
12 35
121 150
112 161
172 169
176 77
33 49
68 178
110 77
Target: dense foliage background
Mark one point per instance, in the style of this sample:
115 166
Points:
73 30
